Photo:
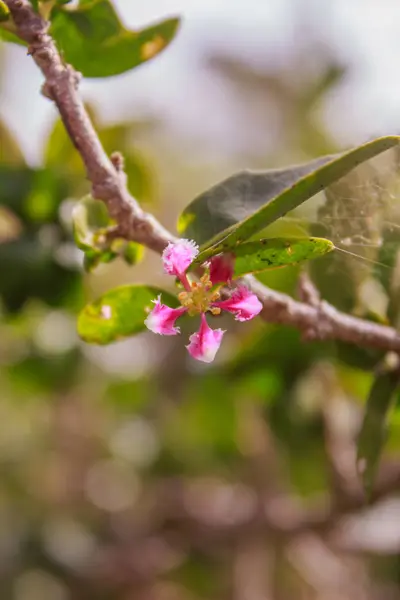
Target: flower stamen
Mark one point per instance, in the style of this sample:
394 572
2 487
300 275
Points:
199 299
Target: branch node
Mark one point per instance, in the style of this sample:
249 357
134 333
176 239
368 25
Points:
46 91
42 53
118 161
75 76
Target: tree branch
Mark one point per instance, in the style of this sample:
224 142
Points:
316 321
323 321
61 83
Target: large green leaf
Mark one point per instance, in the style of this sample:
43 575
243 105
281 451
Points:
243 204
359 213
254 257
119 313
374 428
261 255
94 41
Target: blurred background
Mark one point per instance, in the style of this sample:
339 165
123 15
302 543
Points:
129 472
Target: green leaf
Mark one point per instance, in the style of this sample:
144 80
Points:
374 427
90 220
92 258
261 255
132 253
89 217
119 313
95 42
242 205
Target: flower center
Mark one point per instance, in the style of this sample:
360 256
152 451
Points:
200 297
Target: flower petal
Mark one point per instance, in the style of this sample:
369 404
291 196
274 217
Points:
221 268
162 318
204 344
243 304
177 256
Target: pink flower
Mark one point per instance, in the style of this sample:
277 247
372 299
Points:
221 268
178 256
204 344
162 318
200 297
243 304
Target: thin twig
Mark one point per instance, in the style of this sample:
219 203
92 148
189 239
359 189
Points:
108 184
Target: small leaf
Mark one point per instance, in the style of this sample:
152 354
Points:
374 427
92 258
237 208
254 257
119 313
89 217
90 220
133 253
95 42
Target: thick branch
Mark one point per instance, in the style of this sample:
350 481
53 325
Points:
320 321
323 321
61 83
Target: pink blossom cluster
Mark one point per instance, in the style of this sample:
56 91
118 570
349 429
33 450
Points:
200 297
